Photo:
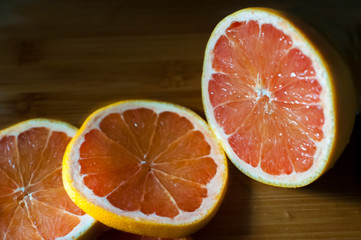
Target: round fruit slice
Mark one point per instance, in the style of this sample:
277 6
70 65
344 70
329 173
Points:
145 167
278 96
33 202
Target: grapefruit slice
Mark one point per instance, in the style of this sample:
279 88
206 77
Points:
146 167
278 96
33 202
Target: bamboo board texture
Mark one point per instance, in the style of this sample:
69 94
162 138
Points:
64 59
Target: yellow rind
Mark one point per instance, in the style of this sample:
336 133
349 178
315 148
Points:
129 224
49 123
341 86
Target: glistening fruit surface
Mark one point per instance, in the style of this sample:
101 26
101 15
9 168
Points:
273 99
33 202
147 167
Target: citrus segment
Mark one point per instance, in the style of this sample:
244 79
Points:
121 133
20 220
33 202
8 160
187 195
190 145
148 164
141 123
271 99
170 127
58 199
31 145
49 221
156 199
197 170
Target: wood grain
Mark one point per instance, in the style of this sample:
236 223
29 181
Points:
64 59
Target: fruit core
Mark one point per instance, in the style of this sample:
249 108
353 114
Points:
20 194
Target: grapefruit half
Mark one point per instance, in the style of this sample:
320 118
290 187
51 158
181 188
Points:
146 167
278 96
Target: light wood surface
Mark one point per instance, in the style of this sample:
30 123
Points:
64 59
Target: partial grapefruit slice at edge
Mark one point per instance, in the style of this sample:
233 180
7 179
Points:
31 159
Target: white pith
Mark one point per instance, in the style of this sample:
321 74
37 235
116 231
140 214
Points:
214 187
326 101
86 221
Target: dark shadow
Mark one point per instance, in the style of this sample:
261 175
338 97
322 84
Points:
344 178
232 219
113 234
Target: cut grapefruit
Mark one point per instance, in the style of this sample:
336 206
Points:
146 167
33 202
278 96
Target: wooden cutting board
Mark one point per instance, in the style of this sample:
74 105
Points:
64 59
